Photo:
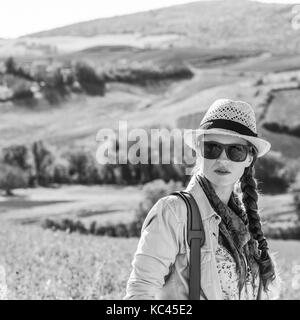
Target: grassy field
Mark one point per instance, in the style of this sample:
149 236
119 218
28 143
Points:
41 264
84 203
283 105
98 203
268 63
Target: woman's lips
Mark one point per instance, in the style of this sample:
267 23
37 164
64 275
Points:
222 173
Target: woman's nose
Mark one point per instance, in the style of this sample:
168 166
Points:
223 155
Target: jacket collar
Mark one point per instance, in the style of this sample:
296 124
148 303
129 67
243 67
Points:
203 203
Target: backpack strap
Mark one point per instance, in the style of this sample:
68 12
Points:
196 239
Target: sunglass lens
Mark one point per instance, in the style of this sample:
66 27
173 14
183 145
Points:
211 150
237 153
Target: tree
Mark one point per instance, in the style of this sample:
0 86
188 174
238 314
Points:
16 155
10 65
83 167
43 161
90 82
19 156
12 68
12 177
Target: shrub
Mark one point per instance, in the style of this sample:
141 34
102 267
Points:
145 73
295 189
134 228
52 95
23 92
153 191
286 231
158 188
93 227
282 128
273 126
12 68
295 131
100 230
89 81
121 230
79 227
295 186
55 88
272 174
126 230
48 224
296 198
109 230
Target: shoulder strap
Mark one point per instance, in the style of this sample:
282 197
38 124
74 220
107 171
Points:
196 239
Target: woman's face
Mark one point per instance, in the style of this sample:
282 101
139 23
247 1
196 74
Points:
208 166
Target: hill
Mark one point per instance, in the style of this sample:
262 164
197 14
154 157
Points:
226 58
240 24
170 103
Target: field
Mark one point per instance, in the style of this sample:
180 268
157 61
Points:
98 203
93 203
284 104
171 102
43 264
161 68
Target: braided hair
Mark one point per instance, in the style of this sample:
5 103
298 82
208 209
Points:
248 185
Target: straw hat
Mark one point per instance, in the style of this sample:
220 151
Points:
229 117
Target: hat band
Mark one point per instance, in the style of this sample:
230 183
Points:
228 125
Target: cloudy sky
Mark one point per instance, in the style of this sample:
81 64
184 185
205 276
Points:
20 17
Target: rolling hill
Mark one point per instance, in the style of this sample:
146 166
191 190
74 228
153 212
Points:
227 59
205 24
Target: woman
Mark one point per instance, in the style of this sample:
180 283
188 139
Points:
235 263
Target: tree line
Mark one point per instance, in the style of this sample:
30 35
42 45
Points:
41 164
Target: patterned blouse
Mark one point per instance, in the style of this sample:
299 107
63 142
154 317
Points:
226 267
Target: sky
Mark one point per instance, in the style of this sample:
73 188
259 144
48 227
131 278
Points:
20 17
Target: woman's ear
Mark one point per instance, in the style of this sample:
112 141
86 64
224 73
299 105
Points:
249 160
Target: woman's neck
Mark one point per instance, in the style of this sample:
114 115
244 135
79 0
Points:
223 192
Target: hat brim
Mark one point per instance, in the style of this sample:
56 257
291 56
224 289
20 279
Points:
190 136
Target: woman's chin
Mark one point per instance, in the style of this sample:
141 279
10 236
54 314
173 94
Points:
221 179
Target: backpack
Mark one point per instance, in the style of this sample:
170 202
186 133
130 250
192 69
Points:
196 239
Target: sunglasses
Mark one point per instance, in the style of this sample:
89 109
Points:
234 151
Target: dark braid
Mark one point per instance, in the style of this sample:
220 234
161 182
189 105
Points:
249 198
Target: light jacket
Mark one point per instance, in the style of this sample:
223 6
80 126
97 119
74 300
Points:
160 267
